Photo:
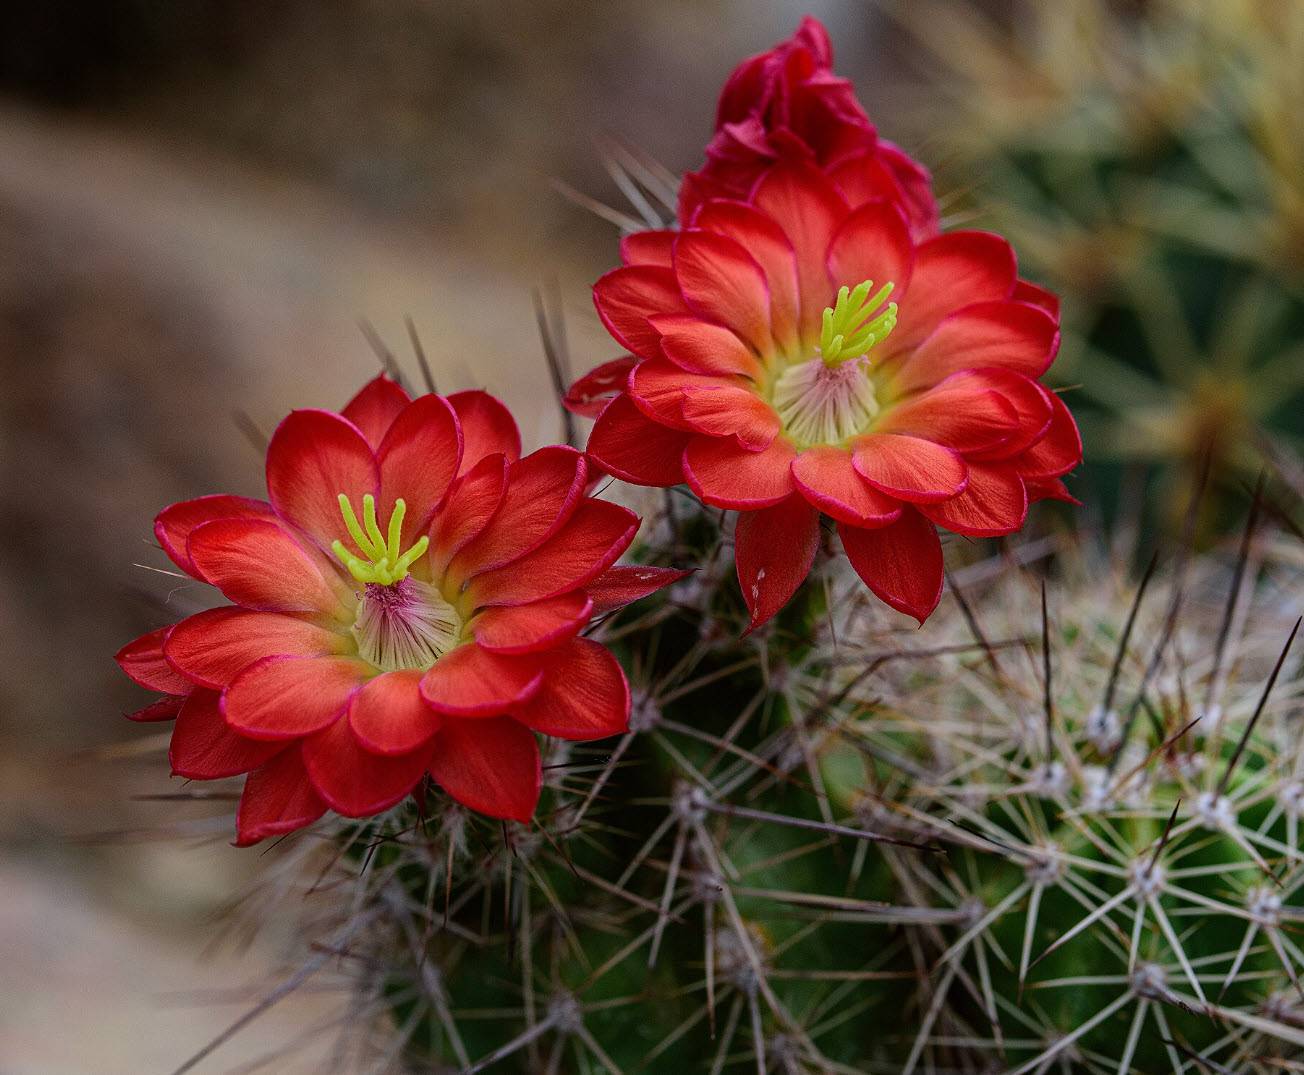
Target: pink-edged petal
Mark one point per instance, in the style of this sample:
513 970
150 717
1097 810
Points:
731 411
628 444
809 208
353 781
696 346
1024 291
624 584
591 542
213 647
290 697
993 503
873 243
1056 453
389 716
491 766
767 243
901 563
540 625
951 271
826 478
727 475
916 185
473 501
543 491
259 564
175 523
471 681
374 408
278 798
648 247
313 457
589 395
204 747
164 709
1030 401
909 468
584 694
488 428
1048 489
961 412
773 551
418 459
1009 335
657 388
144 660
722 282
625 299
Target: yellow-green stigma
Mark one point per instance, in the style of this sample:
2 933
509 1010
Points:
384 566
851 327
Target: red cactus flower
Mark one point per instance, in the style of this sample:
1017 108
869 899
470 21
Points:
796 354
788 104
408 600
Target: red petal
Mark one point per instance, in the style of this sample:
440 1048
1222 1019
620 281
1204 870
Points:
648 248
488 428
657 388
315 456
1009 335
164 709
628 444
389 716
492 766
289 697
732 411
374 408
354 781
418 460
1038 296
584 694
993 503
826 478
205 748
962 412
467 511
174 524
773 551
258 564
470 681
625 298
951 271
622 585
873 243
909 468
721 281
543 491
213 647
537 626
144 661
728 476
1059 451
901 563
592 392
808 207
590 543
277 799
1050 489
766 242
698 347
1031 403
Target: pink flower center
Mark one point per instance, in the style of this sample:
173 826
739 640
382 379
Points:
406 624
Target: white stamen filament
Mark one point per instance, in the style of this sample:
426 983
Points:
405 625
819 404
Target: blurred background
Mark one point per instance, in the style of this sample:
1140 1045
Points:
200 199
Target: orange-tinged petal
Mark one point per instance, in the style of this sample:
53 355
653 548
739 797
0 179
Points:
540 625
278 798
389 716
873 243
204 746
699 347
962 412
590 395
374 408
584 694
488 428
215 646
721 281
418 460
145 661
625 298
826 478
731 411
472 503
727 475
491 765
901 563
909 468
290 697
472 681
352 780
175 524
994 502
259 564
628 444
